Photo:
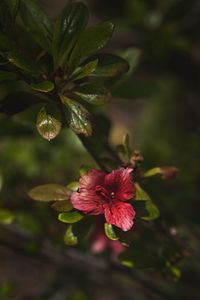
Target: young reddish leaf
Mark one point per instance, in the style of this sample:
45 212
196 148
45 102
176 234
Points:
49 192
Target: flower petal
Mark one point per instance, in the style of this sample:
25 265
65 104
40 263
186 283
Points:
120 214
120 181
91 179
87 201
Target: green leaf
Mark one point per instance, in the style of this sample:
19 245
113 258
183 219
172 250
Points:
132 55
44 86
79 117
73 186
84 70
22 62
84 169
70 217
94 39
49 192
127 263
20 90
7 76
126 145
153 211
62 206
141 195
92 93
37 23
109 231
109 65
13 6
6 217
72 21
49 122
69 238
152 172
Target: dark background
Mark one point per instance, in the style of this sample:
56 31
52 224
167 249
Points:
159 106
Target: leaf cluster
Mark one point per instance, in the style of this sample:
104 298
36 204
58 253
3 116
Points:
55 65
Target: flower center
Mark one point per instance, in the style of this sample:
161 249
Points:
107 195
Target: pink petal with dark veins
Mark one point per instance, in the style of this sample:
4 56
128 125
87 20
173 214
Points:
87 201
119 180
91 179
120 214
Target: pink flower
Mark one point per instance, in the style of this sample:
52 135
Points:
100 243
102 193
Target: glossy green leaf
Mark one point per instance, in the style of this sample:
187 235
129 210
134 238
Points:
7 76
84 70
79 117
141 195
70 217
73 186
109 231
44 86
153 211
94 39
152 172
49 122
109 65
62 206
22 62
92 93
37 23
49 192
69 238
72 21
12 6
6 217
